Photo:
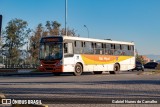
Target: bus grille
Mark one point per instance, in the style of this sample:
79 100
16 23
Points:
49 68
49 62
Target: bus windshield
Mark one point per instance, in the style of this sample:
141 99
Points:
51 51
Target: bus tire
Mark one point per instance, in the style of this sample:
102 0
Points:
78 70
97 72
116 69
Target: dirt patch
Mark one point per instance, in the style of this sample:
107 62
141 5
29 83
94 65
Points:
154 72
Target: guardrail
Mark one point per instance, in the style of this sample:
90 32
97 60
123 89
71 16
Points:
20 66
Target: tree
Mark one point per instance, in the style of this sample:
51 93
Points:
52 28
69 32
139 58
34 43
15 35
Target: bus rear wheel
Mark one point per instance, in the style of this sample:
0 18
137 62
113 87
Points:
78 70
116 69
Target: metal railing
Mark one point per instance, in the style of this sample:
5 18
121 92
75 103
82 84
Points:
21 66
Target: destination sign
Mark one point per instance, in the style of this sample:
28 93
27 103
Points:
52 39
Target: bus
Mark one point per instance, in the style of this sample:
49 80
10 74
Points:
59 54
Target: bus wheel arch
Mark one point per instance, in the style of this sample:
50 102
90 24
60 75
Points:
78 69
116 68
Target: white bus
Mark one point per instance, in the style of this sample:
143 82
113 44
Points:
60 54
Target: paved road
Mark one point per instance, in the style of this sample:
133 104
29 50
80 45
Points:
123 85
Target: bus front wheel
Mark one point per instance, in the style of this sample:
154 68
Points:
78 70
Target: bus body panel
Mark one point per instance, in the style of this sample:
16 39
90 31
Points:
68 64
126 63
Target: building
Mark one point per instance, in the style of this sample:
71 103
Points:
146 59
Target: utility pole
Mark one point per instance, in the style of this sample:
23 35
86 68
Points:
66 17
0 24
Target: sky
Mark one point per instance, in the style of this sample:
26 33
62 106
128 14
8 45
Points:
121 20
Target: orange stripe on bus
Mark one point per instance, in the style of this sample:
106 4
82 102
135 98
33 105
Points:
103 59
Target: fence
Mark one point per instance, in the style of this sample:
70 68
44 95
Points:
21 66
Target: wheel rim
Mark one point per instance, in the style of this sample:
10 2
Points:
78 69
115 69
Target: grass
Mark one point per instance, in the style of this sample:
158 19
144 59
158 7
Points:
156 71
149 72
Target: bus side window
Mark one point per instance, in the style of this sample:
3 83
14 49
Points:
118 50
123 49
87 49
112 49
79 47
68 48
107 48
98 49
129 50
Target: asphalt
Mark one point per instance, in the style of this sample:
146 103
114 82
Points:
25 74
123 85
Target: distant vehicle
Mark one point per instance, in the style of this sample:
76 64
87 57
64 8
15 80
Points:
151 65
139 66
2 65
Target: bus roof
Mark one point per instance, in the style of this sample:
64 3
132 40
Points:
96 40
91 39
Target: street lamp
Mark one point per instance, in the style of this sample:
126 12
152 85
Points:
87 30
